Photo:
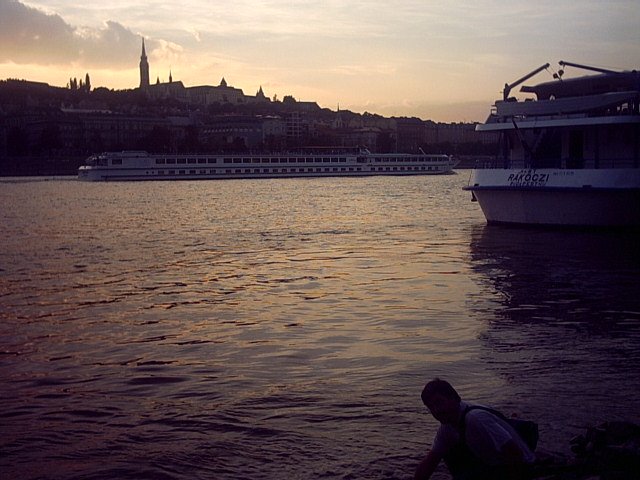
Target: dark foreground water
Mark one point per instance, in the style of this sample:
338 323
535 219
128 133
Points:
283 329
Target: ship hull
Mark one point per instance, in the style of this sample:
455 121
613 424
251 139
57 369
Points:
105 175
555 197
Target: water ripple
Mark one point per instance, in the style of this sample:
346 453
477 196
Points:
284 328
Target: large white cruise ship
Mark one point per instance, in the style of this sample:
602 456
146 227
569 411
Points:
569 157
136 165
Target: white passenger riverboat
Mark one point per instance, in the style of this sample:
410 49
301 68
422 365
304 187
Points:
136 165
569 157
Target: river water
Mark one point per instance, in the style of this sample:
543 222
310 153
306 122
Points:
273 329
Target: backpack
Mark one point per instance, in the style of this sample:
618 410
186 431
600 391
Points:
527 429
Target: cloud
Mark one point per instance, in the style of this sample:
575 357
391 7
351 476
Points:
31 36
112 46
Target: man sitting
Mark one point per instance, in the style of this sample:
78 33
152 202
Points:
474 443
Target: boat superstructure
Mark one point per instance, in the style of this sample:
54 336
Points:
568 157
139 165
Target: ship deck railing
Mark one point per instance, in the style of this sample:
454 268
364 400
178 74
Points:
602 163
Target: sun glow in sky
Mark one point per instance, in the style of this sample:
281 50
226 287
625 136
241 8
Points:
445 60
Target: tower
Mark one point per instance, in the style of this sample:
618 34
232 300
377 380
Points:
144 68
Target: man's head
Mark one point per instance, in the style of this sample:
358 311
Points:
442 400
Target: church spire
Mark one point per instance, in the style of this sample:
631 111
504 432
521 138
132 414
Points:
144 68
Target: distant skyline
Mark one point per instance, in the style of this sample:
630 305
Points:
441 60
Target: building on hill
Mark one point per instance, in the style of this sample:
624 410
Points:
170 90
208 95
457 133
409 134
199 95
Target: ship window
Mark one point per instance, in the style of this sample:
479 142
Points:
159 161
343 160
181 172
211 160
192 172
182 161
237 160
116 161
265 170
202 160
171 160
228 160
172 172
293 160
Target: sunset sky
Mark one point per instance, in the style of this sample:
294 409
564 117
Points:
441 60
